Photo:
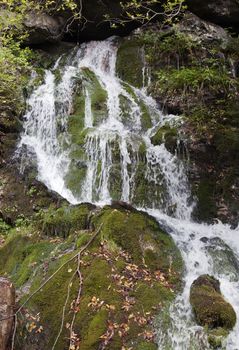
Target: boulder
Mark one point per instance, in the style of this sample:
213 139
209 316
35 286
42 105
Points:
209 306
44 28
7 302
202 31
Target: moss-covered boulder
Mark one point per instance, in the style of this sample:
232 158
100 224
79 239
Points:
167 135
99 288
210 308
139 234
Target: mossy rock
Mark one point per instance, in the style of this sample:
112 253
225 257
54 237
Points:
209 306
65 220
216 338
125 104
141 236
167 135
120 288
89 82
206 205
130 61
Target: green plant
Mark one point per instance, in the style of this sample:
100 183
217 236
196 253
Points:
32 191
4 227
22 221
195 80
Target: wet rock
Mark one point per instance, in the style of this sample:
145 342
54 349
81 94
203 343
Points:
7 302
168 136
209 306
224 260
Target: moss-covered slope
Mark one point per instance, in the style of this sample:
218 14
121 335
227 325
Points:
109 294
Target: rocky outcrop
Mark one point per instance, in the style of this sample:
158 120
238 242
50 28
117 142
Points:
94 26
91 26
222 12
7 303
210 308
44 28
194 74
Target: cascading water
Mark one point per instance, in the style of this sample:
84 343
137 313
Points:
112 164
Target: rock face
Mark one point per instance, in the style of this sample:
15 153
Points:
190 64
44 28
222 12
209 306
7 302
93 26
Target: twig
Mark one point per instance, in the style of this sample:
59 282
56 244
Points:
64 311
78 297
14 332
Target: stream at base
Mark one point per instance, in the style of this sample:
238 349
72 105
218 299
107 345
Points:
206 249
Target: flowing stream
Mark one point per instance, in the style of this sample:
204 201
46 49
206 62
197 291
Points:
112 152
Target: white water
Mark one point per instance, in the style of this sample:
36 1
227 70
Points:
46 138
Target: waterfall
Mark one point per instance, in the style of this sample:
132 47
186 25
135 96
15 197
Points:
114 158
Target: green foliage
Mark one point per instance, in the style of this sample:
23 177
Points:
148 10
4 227
195 80
16 61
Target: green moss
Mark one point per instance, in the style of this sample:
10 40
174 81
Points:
209 306
206 206
130 63
75 178
105 267
151 297
167 135
141 236
146 346
65 220
216 338
115 181
97 328
125 103
4 227
21 256
98 96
